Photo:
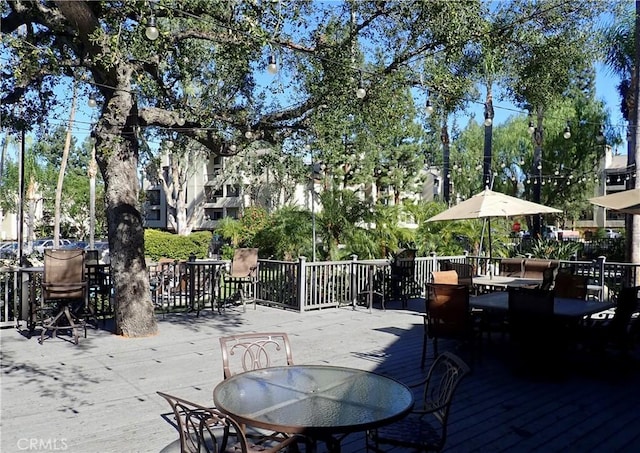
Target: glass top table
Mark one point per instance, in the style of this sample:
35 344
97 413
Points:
314 400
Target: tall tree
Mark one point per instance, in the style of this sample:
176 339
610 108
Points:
194 75
621 43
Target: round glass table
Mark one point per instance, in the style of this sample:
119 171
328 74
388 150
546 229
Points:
317 401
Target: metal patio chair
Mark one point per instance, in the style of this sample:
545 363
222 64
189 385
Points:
64 283
251 351
243 274
207 430
425 428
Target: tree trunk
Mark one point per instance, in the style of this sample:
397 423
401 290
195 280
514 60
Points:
117 157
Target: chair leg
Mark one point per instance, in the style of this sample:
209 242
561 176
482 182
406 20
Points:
425 340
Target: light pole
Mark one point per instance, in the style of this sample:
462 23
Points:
488 136
92 198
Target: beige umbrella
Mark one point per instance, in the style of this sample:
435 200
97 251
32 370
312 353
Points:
489 204
627 201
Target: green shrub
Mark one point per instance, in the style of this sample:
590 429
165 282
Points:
159 244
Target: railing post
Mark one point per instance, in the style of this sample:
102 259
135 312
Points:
434 265
302 279
353 281
600 269
192 281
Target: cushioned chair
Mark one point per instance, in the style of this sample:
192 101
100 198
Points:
536 335
64 292
570 286
448 315
616 332
251 351
425 428
244 273
465 272
449 277
207 430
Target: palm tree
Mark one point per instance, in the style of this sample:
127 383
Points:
622 55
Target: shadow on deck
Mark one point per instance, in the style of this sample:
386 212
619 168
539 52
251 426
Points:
100 396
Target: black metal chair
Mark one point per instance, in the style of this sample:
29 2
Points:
425 428
402 282
448 316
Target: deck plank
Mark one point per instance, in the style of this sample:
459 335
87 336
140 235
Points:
100 396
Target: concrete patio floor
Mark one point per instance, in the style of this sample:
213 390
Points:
100 396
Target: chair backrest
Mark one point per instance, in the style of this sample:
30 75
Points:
548 278
442 380
465 272
448 312
531 301
512 267
204 429
570 285
252 351
628 303
449 277
534 268
404 263
64 274
245 263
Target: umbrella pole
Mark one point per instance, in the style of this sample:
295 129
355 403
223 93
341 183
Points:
489 236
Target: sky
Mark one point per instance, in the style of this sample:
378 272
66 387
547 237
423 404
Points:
606 91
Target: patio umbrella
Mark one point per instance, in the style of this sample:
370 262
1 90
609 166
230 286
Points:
627 201
489 204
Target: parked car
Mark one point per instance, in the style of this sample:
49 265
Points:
9 250
41 244
612 234
75 245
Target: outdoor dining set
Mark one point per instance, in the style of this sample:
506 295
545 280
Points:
268 403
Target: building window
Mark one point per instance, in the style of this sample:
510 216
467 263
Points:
233 190
232 212
153 215
153 197
212 194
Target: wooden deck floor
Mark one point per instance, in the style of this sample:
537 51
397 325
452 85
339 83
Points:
100 396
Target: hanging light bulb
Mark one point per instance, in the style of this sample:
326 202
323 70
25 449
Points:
531 128
248 135
180 121
539 167
151 31
232 148
567 132
169 144
600 136
272 67
92 101
488 122
428 107
360 91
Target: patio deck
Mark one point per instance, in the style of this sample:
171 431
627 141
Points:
100 396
